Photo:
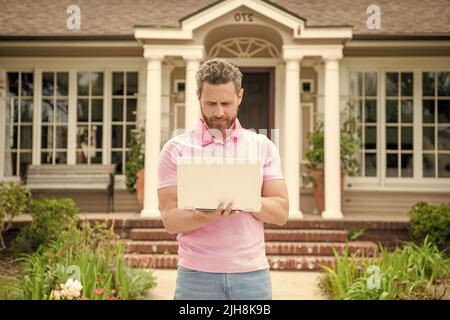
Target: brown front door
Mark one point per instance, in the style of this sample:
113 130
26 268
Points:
257 107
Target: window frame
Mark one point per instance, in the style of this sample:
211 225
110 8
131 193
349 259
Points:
362 124
53 124
176 82
4 148
417 65
125 123
71 65
399 124
90 97
435 125
311 85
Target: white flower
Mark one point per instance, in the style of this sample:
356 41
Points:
69 290
74 284
73 288
55 295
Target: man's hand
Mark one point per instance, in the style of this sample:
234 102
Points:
177 220
219 213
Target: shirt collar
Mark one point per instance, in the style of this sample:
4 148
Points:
205 137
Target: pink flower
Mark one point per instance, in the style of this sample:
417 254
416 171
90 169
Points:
111 298
99 291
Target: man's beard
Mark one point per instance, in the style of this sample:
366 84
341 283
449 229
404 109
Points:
221 124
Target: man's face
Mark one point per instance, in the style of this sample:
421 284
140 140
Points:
220 104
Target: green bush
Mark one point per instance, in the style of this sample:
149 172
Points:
135 160
412 272
14 200
50 218
432 221
93 255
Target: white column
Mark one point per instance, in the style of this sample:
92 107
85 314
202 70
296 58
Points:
165 104
152 136
332 141
279 108
292 134
192 107
319 91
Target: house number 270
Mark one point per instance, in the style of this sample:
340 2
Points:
245 17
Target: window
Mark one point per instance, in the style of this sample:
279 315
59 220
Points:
180 85
124 105
54 116
19 122
89 117
307 86
436 124
399 124
363 90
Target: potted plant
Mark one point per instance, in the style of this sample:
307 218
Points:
349 144
135 166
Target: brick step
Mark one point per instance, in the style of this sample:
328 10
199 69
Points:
270 235
307 235
151 234
272 248
290 224
285 263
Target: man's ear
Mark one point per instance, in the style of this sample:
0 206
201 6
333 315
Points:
198 94
240 95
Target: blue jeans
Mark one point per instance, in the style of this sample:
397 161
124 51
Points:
197 285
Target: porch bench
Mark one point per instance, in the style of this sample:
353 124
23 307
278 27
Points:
72 177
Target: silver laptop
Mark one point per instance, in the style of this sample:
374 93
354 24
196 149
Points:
202 183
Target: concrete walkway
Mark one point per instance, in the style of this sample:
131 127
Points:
286 285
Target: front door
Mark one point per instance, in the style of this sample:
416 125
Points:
257 107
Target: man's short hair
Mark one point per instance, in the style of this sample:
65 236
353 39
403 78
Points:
218 71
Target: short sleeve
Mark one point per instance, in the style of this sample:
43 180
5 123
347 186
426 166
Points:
167 168
272 162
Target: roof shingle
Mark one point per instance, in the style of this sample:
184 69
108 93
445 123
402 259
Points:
117 17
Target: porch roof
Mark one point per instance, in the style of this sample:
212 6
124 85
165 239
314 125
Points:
116 19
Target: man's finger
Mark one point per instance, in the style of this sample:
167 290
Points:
219 209
228 209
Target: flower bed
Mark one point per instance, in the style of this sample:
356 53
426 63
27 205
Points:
53 258
411 272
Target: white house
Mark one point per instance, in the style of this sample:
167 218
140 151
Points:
76 77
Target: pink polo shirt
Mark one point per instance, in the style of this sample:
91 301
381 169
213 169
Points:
235 243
